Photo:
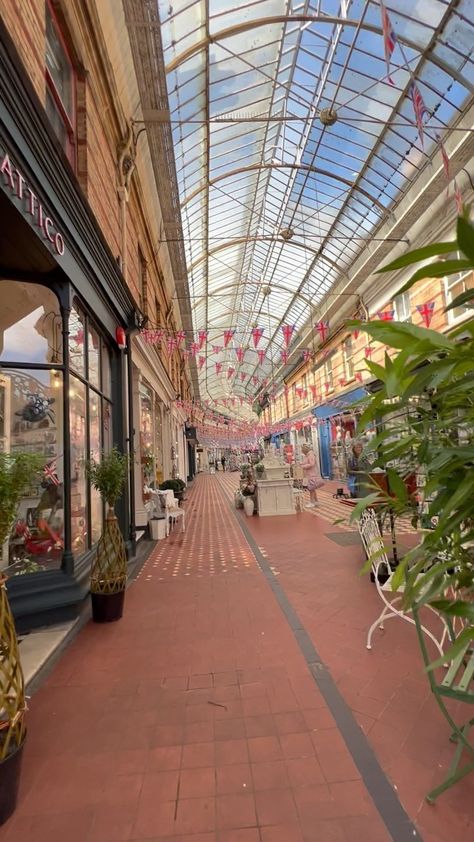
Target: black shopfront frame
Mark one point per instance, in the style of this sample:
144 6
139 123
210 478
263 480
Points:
77 266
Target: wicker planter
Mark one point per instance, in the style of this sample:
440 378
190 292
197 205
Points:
109 574
12 709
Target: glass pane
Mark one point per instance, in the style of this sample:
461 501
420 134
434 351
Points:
59 65
30 324
31 421
106 373
95 453
94 357
77 416
107 426
57 120
77 336
146 435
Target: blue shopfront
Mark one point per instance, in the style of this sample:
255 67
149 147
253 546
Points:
337 421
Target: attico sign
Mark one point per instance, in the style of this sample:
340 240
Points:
32 206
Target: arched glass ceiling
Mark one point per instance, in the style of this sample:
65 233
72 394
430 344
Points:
246 83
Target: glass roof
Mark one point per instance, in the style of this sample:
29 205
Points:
246 85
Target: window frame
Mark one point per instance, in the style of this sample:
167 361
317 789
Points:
448 282
348 358
70 122
405 297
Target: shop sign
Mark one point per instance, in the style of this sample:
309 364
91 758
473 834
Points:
32 206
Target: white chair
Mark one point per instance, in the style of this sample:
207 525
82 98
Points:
382 574
173 511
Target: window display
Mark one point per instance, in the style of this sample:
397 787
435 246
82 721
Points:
31 421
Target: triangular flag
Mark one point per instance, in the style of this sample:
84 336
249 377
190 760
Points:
257 333
284 356
261 356
218 368
230 372
202 360
202 338
216 349
240 353
287 331
355 333
306 355
368 351
386 315
228 334
195 349
243 376
180 337
323 330
426 312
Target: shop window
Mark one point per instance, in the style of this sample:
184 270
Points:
402 307
31 421
60 86
90 416
348 358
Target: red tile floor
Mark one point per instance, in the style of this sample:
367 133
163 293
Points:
197 719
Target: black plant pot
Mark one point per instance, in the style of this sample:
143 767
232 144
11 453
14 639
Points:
107 607
10 769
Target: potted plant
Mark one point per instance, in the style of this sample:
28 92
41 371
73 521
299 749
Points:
429 383
16 471
177 486
260 469
109 569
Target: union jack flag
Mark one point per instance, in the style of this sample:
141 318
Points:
180 337
261 356
243 376
240 353
228 334
284 356
386 315
218 368
389 38
202 360
323 330
257 333
419 108
230 372
50 473
426 311
287 331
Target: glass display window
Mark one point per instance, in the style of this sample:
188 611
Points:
30 324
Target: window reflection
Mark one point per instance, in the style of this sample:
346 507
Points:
77 335
79 485
30 324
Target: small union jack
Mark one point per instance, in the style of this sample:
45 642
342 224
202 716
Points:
261 356
228 334
323 330
386 315
257 333
195 348
284 356
242 376
50 473
218 368
389 38
426 311
180 337
230 372
368 351
306 355
240 353
202 338
287 331
202 360
419 108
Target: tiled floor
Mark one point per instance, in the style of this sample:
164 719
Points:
196 718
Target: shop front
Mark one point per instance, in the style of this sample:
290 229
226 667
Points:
64 316
336 426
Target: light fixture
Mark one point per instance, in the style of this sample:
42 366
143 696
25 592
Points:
286 233
328 116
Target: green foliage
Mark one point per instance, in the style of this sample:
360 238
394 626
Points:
176 485
17 471
260 468
428 388
108 476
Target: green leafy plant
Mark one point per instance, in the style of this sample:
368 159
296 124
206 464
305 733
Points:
428 395
108 476
16 473
176 485
260 468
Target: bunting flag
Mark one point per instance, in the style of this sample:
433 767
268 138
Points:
216 349
300 392
171 344
306 355
386 315
426 312
342 381
355 333
180 337
228 334
50 473
230 373
368 351
243 376
255 380
257 333
288 331
202 338
327 386
195 349
419 108
218 368
261 356
323 330
458 199
202 360
314 391
389 38
240 353
284 356
358 376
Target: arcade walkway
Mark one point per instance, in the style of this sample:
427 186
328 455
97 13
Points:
236 702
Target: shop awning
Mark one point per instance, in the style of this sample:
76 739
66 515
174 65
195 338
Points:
340 404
